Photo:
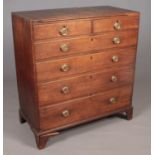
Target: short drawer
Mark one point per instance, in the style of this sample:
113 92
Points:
116 23
65 47
61 29
88 108
56 69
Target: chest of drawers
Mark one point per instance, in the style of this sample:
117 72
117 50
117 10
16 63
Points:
73 66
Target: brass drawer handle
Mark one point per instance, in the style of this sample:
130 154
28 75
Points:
65 90
114 78
115 58
65 68
64 48
116 40
65 113
112 100
117 25
63 31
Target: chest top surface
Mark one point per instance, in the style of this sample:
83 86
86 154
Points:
72 13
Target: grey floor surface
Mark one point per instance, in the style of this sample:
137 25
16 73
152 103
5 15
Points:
110 136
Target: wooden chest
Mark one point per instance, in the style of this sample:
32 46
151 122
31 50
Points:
73 66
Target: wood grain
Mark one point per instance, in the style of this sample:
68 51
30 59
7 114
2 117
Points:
44 16
84 108
50 70
51 30
107 24
83 85
25 70
89 38
51 49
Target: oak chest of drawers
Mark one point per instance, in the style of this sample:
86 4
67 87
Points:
74 66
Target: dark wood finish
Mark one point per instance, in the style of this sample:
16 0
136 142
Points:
50 70
48 49
96 104
41 16
53 97
107 24
25 69
83 85
41 140
46 31
129 113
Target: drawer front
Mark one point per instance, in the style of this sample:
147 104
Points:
83 109
58 91
56 69
62 29
85 44
116 23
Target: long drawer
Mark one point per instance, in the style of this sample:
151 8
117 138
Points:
83 85
56 69
70 46
98 105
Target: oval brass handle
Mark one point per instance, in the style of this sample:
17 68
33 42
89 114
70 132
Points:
63 31
117 25
64 48
112 100
65 113
65 90
115 58
65 68
116 40
114 78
